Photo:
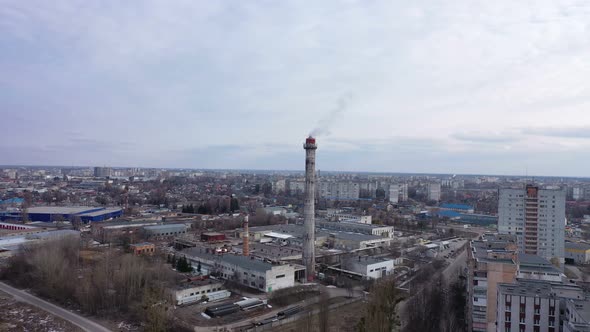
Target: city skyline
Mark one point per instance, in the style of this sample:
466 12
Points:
420 88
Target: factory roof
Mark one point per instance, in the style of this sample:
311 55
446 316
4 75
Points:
357 236
456 206
61 209
241 261
101 212
165 226
278 235
577 246
368 260
53 234
141 244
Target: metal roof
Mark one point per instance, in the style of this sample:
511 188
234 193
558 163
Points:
241 261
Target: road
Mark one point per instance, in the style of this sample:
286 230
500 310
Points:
22 296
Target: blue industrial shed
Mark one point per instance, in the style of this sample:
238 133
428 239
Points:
53 213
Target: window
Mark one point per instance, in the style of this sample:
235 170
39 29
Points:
280 276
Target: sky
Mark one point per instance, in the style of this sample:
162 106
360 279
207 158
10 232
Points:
459 86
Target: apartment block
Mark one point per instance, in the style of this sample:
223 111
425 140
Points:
537 218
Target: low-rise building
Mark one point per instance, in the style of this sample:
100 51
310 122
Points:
578 253
167 230
244 270
371 267
194 291
212 237
357 227
144 248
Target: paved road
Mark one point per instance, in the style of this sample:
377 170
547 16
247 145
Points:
83 323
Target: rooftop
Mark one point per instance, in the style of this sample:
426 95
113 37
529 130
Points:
526 288
241 261
165 226
577 246
456 206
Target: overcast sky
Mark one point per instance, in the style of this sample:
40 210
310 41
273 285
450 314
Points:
496 87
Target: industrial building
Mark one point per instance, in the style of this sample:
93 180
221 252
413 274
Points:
166 230
578 253
212 237
373 268
144 248
60 213
195 290
377 230
244 270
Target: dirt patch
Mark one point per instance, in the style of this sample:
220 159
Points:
18 316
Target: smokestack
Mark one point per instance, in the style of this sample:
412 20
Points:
246 238
309 208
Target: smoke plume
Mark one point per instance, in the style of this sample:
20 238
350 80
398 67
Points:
325 122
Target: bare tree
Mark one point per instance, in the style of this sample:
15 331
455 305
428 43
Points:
324 311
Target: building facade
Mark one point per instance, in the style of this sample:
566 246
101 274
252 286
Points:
537 218
578 253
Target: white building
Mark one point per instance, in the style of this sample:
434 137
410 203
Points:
527 306
371 267
394 193
247 271
434 191
537 218
403 192
339 190
192 292
578 253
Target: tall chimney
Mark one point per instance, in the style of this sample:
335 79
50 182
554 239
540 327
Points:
309 208
246 238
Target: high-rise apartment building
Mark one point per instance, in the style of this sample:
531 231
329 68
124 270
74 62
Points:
434 191
102 172
537 218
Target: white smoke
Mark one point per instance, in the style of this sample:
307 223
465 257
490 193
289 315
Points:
324 124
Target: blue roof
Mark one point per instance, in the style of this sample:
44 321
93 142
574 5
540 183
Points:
456 206
449 214
14 200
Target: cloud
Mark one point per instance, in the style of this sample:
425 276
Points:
559 132
491 138
141 81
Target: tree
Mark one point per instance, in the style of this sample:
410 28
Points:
324 311
234 205
76 222
380 315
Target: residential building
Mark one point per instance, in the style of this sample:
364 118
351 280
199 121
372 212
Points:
434 192
527 306
403 192
577 315
339 190
102 172
394 191
578 253
537 218
492 260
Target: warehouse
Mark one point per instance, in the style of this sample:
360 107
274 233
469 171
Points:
61 213
194 291
212 237
165 230
246 271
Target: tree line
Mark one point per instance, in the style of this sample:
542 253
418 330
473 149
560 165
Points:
106 284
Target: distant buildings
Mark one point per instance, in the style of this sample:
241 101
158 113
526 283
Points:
63 213
537 218
102 172
159 231
434 192
339 190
